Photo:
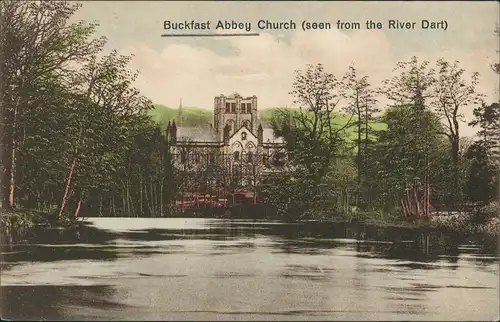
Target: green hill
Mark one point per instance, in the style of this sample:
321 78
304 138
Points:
190 116
196 116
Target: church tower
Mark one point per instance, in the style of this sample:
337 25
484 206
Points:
235 111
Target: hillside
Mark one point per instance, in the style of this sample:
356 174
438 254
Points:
196 116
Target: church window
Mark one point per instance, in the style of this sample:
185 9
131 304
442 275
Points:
250 156
228 107
243 108
249 108
236 155
243 136
183 157
233 107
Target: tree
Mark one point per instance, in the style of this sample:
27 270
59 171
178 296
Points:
361 100
108 105
316 138
412 87
453 94
481 184
396 168
38 45
487 117
312 135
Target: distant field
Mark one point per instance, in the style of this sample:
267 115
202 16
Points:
196 116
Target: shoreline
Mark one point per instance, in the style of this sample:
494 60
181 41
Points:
18 222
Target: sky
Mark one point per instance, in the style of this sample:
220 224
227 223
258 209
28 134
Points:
198 69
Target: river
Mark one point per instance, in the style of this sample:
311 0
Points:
212 269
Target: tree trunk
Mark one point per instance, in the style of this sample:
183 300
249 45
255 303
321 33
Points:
417 203
152 196
454 158
100 205
428 204
128 198
409 203
12 184
11 164
405 213
68 184
148 202
123 198
78 208
131 203
113 204
140 194
161 198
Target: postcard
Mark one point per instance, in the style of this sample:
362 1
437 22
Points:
249 160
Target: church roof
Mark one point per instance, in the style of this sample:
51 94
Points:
268 136
204 134
196 134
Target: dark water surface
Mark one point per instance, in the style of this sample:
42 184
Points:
209 269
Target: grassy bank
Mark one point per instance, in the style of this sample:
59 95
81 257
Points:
481 221
18 221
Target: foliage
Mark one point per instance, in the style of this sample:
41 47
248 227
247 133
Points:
77 126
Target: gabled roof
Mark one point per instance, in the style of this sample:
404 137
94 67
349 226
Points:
243 129
196 134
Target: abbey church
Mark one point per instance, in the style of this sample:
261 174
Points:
236 151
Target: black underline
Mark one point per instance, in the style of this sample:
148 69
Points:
212 35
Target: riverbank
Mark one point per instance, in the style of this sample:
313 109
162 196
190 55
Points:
18 222
481 221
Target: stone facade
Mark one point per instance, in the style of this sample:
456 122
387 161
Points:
237 150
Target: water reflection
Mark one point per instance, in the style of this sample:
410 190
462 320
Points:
138 268
44 302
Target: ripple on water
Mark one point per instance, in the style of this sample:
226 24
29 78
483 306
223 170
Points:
212 269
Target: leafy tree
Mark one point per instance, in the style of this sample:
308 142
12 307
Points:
412 86
396 162
361 102
312 139
481 185
487 117
453 93
38 46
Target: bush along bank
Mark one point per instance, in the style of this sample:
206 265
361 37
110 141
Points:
483 220
18 222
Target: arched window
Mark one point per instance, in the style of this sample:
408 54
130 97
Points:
230 124
250 156
250 146
183 156
243 136
236 155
